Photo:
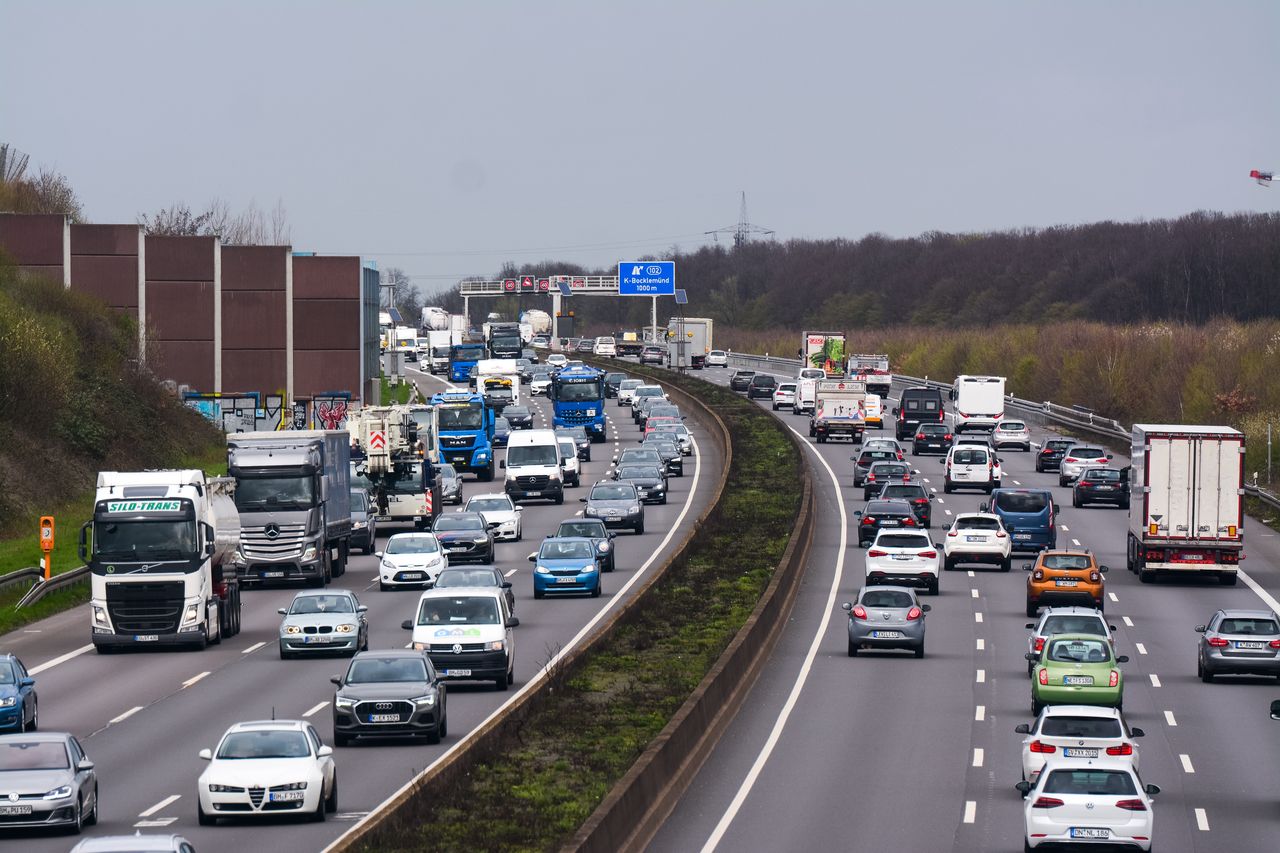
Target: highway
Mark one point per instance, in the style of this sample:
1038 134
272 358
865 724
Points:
142 717
884 751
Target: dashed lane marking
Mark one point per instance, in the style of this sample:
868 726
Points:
253 648
1169 719
1075 542
1155 680
193 679
981 676
1187 767
978 756
977 617
510 573
1112 596
1202 820
981 644
979 713
974 593
126 715
970 811
315 709
1127 621
1142 650
172 798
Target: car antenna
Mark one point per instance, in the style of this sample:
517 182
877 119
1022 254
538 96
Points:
273 712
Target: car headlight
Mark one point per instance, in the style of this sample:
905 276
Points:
481 456
543 570
191 615
388 566
343 702
238 557
293 629
292 786
633 509
345 629
425 701
419 646
225 789
495 646
8 702
480 540
58 793
100 619
359 525
604 547
310 553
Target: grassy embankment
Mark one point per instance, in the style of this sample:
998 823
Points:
75 403
591 724
395 394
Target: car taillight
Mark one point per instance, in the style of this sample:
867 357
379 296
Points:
1046 803
876 552
1094 577
913 614
1039 645
906 478
1275 644
1154 554
1038 575
928 554
1115 678
1044 676
1071 459
1131 805
1000 534
919 436
1043 748
961 414
1046 452
908 522
1218 642
868 520
940 416
870 477
952 533
1122 749
920 501
947 437
860 612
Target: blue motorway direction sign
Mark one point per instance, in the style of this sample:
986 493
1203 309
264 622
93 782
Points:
647 278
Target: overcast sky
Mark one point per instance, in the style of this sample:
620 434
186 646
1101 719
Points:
448 138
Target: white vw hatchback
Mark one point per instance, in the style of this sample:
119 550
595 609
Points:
1088 802
268 767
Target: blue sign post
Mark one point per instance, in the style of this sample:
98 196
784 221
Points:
647 278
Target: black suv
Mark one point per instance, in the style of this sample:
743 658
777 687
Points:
883 514
913 493
611 383
762 385
741 380
931 438
399 679
917 406
1102 486
1050 456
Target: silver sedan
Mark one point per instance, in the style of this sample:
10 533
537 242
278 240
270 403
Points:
328 621
1239 642
886 617
49 781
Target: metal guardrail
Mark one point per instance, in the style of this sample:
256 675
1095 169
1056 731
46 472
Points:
30 572
43 587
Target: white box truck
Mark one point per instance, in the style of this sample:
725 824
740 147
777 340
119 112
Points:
689 339
979 402
841 410
1186 501
438 343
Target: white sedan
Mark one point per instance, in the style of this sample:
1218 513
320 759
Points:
1076 731
977 537
1088 801
903 558
717 358
410 560
270 768
501 515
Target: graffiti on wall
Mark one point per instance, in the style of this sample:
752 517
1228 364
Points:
330 410
250 412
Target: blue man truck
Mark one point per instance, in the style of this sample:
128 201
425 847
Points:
577 395
465 423
463 357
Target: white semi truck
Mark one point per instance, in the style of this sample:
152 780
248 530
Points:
159 550
1186 501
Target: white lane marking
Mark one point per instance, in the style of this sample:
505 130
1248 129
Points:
1142 650
982 644
970 573
126 715
315 708
974 593
970 811
253 648
1016 483
1075 542
1155 680
977 617
1261 593
1112 596
193 679
1202 820
153 824
940 500
980 713
726 819
1186 763
1065 529
978 756
981 677
1168 718
172 798
932 490
927 480
947 511
510 573
1127 621
36 670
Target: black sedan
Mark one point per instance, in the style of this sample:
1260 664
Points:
611 383
1102 486
741 380
464 536
392 693
879 515
1050 456
519 417
913 493
931 438
650 483
581 441
672 459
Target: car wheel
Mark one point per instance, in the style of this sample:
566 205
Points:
1075 501
434 737
284 655
1062 481
537 593
92 819
77 826
1206 674
1039 468
502 681
488 558
853 649
331 804
919 652
382 587
559 498
443 729
595 593
640 528
368 548
1031 610
319 814
947 565
202 817
933 587
1006 564
1036 707
35 718
946 486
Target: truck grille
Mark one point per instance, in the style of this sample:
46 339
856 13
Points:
456 440
533 481
577 418
272 541
145 608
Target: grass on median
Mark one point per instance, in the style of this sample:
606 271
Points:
590 725
395 394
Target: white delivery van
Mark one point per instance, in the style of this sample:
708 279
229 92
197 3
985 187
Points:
467 633
606 346
979 402
874 416
533 466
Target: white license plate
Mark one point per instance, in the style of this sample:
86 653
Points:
1065 583
457 548
1090 832
384 718
15 810
1022 536
317 639
886 635
382 518
975 539
411 576
889 522
457 673
566 580
1086 680
902 557
146 638
1105 488
1248 644
273 574
533 494
1079 752
287 796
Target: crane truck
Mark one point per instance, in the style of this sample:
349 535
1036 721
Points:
398 464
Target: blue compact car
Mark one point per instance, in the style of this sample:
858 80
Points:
565 566
19 710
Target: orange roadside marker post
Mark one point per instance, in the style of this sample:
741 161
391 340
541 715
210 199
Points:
46 544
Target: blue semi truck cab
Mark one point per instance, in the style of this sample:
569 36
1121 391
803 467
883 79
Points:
577 395
463 357
465 432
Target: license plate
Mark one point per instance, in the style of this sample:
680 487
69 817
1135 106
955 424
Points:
457 548
1090 832
1065 583
533 494
317 639
1247 644
15 810
1022 536
382 518
384 718
1086 680
457 672
1105 488
1080 752
902 557
146 638
287 796
889 522
566 580
411 576
273 574
886 635
975 539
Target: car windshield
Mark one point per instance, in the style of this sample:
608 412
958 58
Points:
646 456
514 412
590 529
969 457
448 472
977 522
639 472
33 755
1029 502
649 391
1104 475
1057 444
933 429
322 604
1087 452
359 500
502 425
533 454
1089 782
613 493
886 598
1080 651
901 540
461 416
7 673
1066 561
470 610
454 522
567 550
878 508
264 744
786 386
412 545
1247 626
630 384
489 505
259 492
744 374
1090 727
1073 624
466 577
383 670
145 540
579 391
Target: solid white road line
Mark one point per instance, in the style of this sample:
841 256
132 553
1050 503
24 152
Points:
1186 763
1155 680
318 706
1202 820
1127 621
193 679
253 648
980 713
970 811
172 798
36 670
735 805
1261 593
978 756
1168 718
126 715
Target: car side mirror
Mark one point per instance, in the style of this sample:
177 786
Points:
1023 729
984 507
363 608
324 751
942 462
1275 709
335 679
1102 570
846 606
1152 790
502 463
1200 629
533 558
1136 732
84 765
1026 567
611 534
378 554
1031 656
1023 787
513 622
1122 659
27 682
582 500
519 509
407 624
206 754
282 611
925 608
1031 625
857 513
506 584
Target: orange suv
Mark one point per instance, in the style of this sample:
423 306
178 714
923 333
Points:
1065 578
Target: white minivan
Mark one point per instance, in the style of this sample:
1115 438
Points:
467 632
533 466
971 466
606 346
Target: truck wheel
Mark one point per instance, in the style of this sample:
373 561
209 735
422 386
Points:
1146 576
1227 578
214 624
560 499
485 475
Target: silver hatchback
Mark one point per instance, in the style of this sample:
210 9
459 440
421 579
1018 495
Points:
1239 642
49 781
1011 434
886 617
1079 457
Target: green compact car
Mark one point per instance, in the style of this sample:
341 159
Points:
1076 669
